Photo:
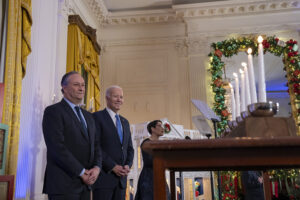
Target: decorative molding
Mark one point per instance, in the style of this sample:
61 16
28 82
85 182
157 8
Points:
237 8
89 31
129 42
143 19
98 9
179 13
197 45
182 47
271 29
65 8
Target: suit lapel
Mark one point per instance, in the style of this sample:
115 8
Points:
75 118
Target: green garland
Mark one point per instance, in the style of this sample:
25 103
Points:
291 61
231 47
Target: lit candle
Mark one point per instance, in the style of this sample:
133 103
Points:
251 77
91 104
247 85
53 98
243 101
233 109
237 95
262 97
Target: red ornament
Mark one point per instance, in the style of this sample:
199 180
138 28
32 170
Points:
296 72
218 53
265 44
218 82
224 113
276 39
293 61
290 54
197 193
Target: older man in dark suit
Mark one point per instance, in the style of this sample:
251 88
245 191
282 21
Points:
116 145
73 153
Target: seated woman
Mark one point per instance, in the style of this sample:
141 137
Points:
145 183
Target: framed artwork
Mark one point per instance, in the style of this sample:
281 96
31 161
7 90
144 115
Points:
6 187
3 146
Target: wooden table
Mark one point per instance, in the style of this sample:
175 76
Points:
221 154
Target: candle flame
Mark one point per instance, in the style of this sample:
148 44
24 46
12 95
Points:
241 71
235 75
249 51
260 39
230 85
244 64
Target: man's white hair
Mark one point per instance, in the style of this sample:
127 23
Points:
108 90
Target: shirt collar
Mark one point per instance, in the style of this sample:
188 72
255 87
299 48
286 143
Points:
111 112
70 103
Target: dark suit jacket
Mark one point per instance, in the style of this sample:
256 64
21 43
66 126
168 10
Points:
112 150
253 188
69 149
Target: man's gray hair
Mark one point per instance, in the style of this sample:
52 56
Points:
108 90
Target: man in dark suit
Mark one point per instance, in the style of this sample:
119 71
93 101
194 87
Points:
116 145
253 184
73 154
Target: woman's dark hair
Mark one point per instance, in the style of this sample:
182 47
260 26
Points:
152 125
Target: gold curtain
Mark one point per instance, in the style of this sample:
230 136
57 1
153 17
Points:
81 53
17 49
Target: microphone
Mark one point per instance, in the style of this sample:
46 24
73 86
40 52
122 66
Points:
187 137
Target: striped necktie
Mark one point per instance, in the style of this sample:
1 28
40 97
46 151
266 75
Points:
81 120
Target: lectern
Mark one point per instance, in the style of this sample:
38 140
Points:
240 153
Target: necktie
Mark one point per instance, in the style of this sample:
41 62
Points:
119 128
81 120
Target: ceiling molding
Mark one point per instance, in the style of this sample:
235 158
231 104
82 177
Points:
98 9
235 8
179 13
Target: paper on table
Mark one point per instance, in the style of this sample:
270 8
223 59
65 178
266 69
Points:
205 110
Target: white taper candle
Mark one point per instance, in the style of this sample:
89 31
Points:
237 95
243 100
233 109
262 97
251 77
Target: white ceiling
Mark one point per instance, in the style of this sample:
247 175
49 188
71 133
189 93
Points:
133 5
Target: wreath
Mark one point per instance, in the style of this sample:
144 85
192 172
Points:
228 48
167 128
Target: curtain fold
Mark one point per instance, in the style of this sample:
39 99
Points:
81 54
17 49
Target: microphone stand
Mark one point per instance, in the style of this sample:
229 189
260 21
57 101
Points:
218 173
208 135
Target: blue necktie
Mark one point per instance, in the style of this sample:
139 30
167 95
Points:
119 128
81 120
